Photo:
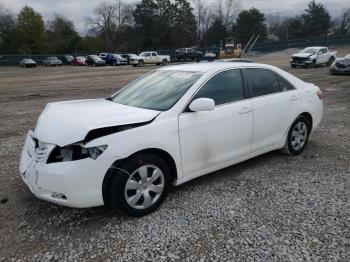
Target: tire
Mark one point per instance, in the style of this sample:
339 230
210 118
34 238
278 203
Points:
293 66
164 62
298 136
114 63
313 64
128 173
134 65
330 61
141 63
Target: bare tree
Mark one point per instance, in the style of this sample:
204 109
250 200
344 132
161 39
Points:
7 22
345 22
204 16
227 11
111 20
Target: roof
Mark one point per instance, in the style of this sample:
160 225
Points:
317 47
205 67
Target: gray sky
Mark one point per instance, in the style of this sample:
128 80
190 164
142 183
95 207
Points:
77 10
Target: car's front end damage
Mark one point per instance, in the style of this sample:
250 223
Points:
341 66
55 174
58 162
301 59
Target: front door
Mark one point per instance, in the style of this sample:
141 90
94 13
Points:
215 137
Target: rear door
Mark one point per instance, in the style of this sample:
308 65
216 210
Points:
323 57
274 106
155 58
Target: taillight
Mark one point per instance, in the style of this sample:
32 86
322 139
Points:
320 94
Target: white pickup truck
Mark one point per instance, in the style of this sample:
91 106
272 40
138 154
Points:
311 56
150 57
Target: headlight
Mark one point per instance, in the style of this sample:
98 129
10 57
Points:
75 152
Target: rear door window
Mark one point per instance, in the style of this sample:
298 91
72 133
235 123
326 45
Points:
262 81
284 84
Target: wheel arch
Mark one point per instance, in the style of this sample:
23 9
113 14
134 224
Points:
309 117
162 153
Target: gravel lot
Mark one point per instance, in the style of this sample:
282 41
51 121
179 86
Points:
270 208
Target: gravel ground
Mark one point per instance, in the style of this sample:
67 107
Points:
270 208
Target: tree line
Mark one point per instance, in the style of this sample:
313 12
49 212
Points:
159 25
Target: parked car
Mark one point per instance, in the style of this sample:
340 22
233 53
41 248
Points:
103 55
312 56
210 55
67 59
188 54
79 61
128 57
27 62
167 127
115 59
150 57
94 60
341 65
52 61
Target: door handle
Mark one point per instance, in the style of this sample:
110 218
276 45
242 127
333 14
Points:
245 110
293 98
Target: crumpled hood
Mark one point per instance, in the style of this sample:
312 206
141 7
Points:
302 55
343 61
64 123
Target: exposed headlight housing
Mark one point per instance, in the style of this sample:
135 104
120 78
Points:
75 152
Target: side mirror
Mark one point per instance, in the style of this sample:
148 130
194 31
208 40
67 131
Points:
202 104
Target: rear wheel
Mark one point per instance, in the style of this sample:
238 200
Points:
298 136
330 61
140 185
164 62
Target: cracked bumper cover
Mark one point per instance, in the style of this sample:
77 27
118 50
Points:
80 181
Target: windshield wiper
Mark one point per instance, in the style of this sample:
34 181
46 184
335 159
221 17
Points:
109 98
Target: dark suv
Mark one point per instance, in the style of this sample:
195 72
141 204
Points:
188 54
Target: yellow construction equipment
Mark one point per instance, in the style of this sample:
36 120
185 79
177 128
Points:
229 49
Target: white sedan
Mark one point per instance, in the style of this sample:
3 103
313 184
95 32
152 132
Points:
165 128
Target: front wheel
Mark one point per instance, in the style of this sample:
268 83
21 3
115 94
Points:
140 185
298 136
141 63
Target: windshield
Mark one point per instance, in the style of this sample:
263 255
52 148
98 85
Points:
142 54
159 90
347 57
52 58
28 61
309 51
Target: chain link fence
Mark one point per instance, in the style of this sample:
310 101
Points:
302 43
265 47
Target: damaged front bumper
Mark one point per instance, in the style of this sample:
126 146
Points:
73 183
